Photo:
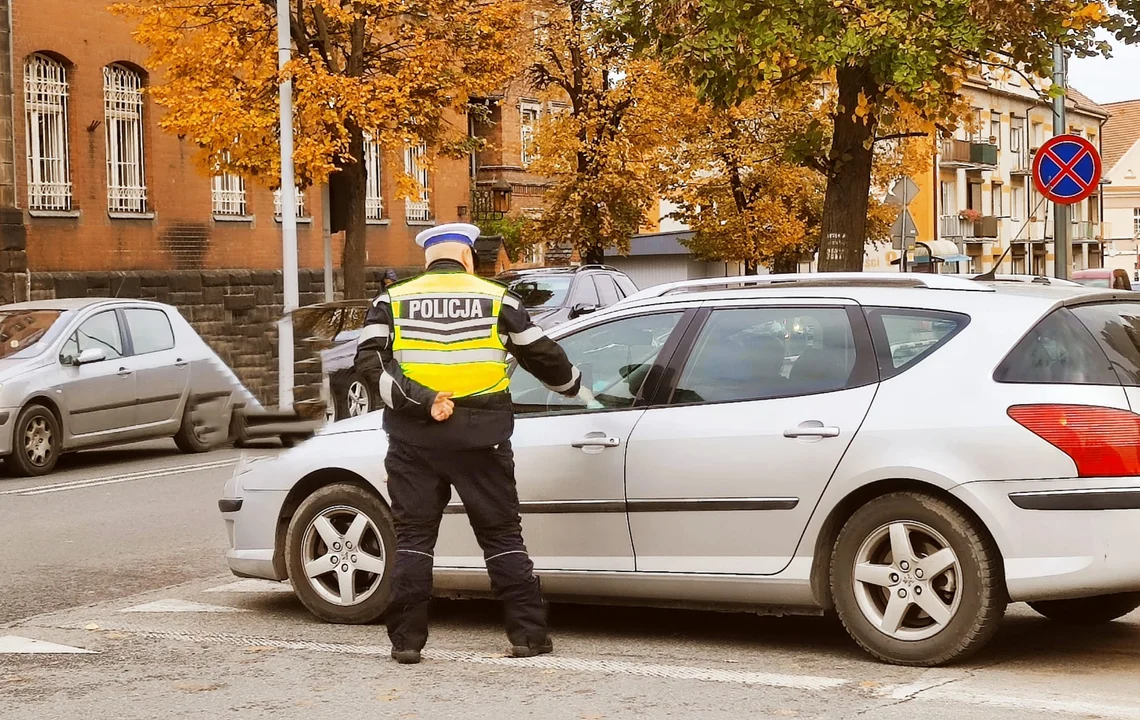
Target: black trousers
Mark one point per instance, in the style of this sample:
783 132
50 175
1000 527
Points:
419 483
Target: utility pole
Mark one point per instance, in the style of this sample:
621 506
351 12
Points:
288 216
1062 266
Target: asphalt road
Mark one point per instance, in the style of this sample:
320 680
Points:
119 556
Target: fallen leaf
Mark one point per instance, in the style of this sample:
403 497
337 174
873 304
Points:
259 649
114 636
870 684
387 698
90 626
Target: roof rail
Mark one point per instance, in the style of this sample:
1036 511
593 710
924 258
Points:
848 279
595 266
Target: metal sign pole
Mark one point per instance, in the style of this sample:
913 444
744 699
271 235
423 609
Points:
902 242
1062 266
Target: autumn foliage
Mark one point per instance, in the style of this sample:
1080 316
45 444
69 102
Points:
398 71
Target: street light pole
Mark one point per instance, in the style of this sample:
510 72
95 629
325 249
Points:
288 216
1062 266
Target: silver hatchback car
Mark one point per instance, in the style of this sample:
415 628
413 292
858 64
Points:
91 372
911 452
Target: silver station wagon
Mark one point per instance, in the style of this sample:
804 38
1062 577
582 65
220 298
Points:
912 452
85 373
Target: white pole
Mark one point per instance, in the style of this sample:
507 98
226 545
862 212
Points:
288 216
326 236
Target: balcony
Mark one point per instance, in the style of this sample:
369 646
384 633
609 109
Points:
1085 231
955 153
983 154
955 227
1022 162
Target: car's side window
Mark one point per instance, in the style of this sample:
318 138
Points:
1058 350
625 285
607 291
99 331
768 352
585 293
614 359
150 330
905 336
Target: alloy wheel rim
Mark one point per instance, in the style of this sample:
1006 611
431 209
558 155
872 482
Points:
357 399
38 442
343 556
907 581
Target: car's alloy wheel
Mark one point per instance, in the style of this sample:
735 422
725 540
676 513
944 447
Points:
907 581
915 581
339 554
37 442
357 400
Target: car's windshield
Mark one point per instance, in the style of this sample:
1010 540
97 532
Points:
22 332
541 292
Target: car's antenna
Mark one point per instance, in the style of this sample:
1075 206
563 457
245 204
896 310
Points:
991 274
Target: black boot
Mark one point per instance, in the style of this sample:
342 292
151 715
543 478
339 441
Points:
532 646
406 657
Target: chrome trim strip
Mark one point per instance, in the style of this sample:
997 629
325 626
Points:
1078 499
552 507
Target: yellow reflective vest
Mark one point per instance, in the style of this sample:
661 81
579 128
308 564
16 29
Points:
446 333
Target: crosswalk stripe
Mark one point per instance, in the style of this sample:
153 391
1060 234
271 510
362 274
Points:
16 645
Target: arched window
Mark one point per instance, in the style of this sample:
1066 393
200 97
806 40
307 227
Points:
123 108
45 103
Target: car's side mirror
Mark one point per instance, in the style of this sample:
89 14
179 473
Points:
582 309
91 355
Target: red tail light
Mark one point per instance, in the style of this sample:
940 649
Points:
1103 442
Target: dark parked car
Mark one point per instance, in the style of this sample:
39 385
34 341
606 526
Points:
553 296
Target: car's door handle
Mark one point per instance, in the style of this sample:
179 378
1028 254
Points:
601 441
181 363
812 431
125 372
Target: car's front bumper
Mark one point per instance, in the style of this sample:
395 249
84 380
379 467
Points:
1063 538
252 523
7 429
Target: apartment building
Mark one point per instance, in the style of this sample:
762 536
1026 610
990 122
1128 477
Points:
980 197
1122 189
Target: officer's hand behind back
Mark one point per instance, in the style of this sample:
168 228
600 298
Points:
442 407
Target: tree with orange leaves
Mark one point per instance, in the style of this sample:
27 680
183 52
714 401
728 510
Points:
396 71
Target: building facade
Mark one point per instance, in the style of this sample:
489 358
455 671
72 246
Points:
101 187
1122 190
979 195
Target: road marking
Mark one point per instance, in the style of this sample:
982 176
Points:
252 586
181 606
1077 705
116 479
15 645
606 667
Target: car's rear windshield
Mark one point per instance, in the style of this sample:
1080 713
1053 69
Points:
542 292
1094 282
25 333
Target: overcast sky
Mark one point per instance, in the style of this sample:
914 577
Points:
1109 80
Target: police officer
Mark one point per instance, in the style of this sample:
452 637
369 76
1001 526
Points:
436 346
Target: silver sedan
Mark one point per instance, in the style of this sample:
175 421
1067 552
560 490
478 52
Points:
84 373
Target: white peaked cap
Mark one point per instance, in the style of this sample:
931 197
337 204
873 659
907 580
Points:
451 232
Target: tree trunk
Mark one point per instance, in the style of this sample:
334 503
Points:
355 184
844 223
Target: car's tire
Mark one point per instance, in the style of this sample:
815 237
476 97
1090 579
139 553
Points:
36 442
340 504
354 398
189 437
969 590
1089 611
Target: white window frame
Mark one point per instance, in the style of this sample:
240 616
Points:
1136 223
45 105
527 129
228 197
997 202
1017 203
418 210
541 20
374 187
302 210
126 166
995 128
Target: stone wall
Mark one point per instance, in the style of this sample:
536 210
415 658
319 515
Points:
235 311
